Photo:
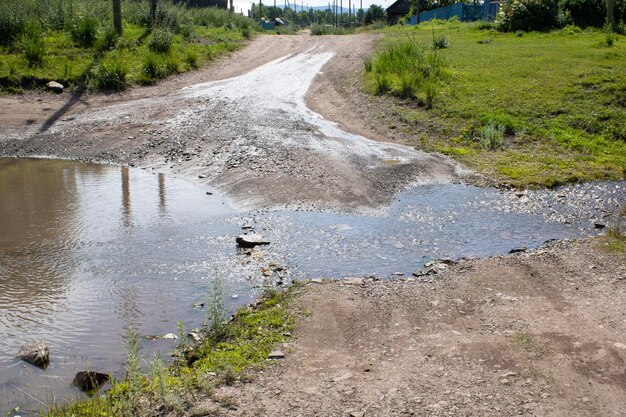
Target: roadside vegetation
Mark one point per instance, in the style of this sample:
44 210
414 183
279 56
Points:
73 42
227 352
526 108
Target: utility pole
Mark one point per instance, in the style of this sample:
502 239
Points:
349 13
117 16
341 12
362 12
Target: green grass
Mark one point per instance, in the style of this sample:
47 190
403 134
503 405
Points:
73 44
244 343
560 97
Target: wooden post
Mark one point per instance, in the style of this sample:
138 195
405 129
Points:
117 16
610 8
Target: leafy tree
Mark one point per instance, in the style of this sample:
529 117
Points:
374 13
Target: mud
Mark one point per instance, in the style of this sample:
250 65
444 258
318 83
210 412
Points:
252 136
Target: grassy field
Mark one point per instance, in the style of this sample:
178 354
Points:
528 109
72 42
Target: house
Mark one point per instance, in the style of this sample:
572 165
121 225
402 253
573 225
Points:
398 10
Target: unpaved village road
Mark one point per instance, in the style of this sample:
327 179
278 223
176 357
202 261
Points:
246 130
536 334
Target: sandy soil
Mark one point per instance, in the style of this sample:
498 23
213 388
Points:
537 334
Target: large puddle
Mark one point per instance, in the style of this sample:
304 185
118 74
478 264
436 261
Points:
86 250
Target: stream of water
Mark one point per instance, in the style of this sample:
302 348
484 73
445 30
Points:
86 250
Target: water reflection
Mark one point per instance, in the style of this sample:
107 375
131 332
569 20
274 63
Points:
87 250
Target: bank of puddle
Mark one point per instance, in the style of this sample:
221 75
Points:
86 250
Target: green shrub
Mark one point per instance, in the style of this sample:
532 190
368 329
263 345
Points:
528 15
368 64
172 65
13 19
492 136
245 32
84 31
609 39
430 92
186 31
31 44
160 41
111 74
440 42
191 58
151 69
33 49
107 39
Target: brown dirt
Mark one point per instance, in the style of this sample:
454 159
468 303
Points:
541 334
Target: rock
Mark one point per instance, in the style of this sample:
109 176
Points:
619 346
317 281
170 336
599 225
276 354
55 87
198 305
36 353
519 250
356 414
202 176
194 336
251 240
505 381
521 193
353 281
89 380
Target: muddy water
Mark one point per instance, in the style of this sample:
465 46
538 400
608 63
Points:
86 250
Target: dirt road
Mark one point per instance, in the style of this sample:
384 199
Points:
249 135
540 334
528 334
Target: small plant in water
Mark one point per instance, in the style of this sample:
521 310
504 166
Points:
216 310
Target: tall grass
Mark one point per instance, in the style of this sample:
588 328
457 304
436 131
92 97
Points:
407 70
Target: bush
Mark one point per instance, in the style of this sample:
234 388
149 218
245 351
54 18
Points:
151 69
85 31
492 136
32 45
13 18
160 42
33 49
406 70
111 74
440 42
528 15
191 59
107 40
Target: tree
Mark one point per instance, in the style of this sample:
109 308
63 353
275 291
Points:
117 16
374 13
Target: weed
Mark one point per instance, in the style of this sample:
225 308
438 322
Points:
245 32
151 69
191 58
33 48
85 31
160 41
368 64
609 39
107 39
440 42
216 310
172 65
186 31
485 41
519 33
111 74
382 84
527 342
492 136
430 91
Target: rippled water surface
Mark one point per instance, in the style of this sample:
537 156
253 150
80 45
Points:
86 250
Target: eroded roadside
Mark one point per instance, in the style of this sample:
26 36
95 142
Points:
536 334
